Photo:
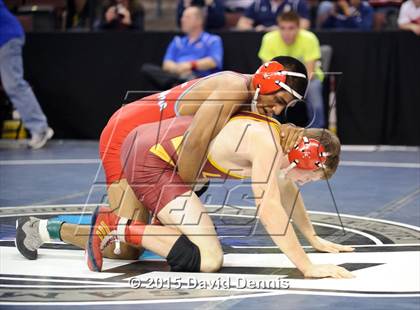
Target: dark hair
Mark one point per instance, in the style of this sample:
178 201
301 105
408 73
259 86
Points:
292 64
331 144
290 16
133 5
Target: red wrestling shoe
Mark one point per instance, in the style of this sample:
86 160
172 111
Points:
103 231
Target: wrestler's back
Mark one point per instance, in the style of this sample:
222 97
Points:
220 83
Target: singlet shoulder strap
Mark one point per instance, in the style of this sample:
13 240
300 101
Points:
258 117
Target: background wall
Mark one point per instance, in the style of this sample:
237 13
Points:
82 78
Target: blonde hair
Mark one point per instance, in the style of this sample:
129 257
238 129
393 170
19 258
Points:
331 144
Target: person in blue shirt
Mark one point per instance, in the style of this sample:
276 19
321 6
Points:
197 53
261 14
215 12
345 14
12 39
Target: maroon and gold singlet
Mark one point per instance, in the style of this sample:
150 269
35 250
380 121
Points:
150 153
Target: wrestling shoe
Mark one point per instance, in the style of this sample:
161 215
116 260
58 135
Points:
28 239
102 233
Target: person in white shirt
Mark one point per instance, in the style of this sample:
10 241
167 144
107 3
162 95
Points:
409 18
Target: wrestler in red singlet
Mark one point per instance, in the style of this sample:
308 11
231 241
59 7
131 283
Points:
150 109
149 155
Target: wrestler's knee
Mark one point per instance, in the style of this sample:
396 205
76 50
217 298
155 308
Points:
186 256
211 260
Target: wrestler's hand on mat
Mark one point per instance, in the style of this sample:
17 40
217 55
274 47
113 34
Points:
323 245
327 271
290 135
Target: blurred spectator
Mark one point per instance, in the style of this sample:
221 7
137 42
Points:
36 15
194 55
237 5
214 11
13 5
313 11
385 13
122 15
234 9
261 14
345 14
12 39
409 18
77 14
290 40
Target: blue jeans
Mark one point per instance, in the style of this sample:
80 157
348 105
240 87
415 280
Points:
17 89
315 104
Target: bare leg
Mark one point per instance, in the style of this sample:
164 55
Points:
158 239
187 214
184 215
75 234
78 235
124 203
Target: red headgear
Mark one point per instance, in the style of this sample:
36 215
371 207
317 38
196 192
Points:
271 77
309 154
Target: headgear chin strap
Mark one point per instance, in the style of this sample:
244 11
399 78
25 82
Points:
270 78
309 154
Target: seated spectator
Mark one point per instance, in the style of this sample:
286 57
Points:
122 15
197 54
234 9
290 40
409 18
237 5
313 11
213 9
345 14
385 13
261 14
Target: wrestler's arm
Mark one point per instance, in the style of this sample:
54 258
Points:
294 205
265 159
210 118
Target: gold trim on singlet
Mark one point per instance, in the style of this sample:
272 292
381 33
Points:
210 175
176 142
260 118
160 152
223 170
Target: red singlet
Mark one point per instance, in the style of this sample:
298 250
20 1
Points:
150 109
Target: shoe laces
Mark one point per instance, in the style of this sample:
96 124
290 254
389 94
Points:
109 239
